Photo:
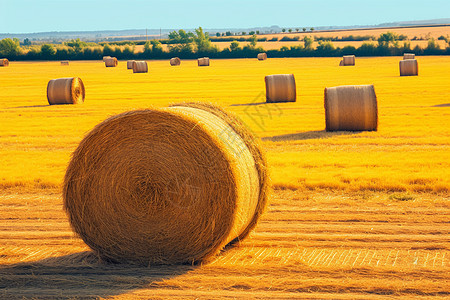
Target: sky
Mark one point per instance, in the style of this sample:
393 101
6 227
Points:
27 16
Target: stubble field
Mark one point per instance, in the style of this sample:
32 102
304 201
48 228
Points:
352 214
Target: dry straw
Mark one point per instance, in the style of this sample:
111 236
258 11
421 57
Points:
409 67
175 61
262 56
140 67
130 64
4 62
65 91
280 88
105 58
65 63
111 62
351 107
409 56
348 60
166 186
203 62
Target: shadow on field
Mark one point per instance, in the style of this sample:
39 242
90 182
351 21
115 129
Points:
249 104
308 135
442 105
81 275
31 106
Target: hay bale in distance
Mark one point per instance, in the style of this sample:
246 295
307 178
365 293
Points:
165 186
105 58
111 62
262 56
348 60
175 61
130 64
280 88
351 107
409 67
203 62
409 56
65 91
65 63
4 62
140 67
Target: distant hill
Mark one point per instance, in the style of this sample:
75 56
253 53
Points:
142 34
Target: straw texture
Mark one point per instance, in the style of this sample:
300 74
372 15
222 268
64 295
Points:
409 67
348 60
280 88
111 62
130 64
175 61
4 62
65 63
409 56
165 186
203 62
351 107
262 56
66 91
105 58
140 67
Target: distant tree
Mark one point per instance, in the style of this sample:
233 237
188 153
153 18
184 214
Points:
257 31
283 30
156 47
304 29
108 51
290 30
234 46
181 41
432 45
253 41
387 38
312 29
26 42
297 29
228 33
244 33
9 47
202 40
251 33
47 51
308 41
217 34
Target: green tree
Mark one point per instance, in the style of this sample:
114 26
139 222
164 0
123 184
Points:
47 51
26 42
387 38
181 41
312 29
9 47
304 29
297 29
257 31
217 34
202 40
156 47
290 30
308 41
244 33
283 30
234 46
253 41
251 33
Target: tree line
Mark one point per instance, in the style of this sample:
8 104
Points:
191 45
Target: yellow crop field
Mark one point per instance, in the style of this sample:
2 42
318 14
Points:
351 215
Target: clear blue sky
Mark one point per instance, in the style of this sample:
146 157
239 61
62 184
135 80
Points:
23 16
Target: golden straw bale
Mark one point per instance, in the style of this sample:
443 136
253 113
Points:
105 58
65 91
166 186
280 88
262 56
351 107
409 67
111 62
130 64
203 62
65 63
175 61
140 67
409 56
348 60
4 62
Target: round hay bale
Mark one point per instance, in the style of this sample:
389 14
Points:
262 56
65 63
409 56
351 107
203 62
130 64
66 91
175 61
140 67
280 88
348 60
409 67
111 62
4 62
105 58
166 186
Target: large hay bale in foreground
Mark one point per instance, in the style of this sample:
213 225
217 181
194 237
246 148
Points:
280 88
409 67
111 62
351 107
4 62
105 58
65 63
203 62
65 91
175 61
348 60
140 67
130 64
262 56
409 56
165 186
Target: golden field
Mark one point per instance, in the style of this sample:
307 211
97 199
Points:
352 214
